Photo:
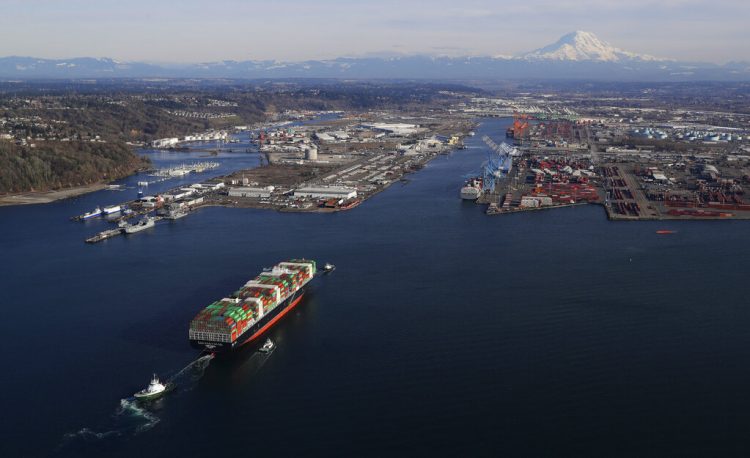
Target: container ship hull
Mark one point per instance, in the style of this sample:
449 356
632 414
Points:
470 193
256 330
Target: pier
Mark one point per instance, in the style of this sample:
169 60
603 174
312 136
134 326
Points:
104 235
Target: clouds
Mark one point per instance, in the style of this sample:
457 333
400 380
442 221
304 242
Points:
192 30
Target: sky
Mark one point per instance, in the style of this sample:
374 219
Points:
291 30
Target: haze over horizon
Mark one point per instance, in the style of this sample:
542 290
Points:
195 31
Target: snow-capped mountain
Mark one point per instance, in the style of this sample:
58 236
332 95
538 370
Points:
584 46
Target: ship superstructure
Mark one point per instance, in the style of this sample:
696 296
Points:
472 189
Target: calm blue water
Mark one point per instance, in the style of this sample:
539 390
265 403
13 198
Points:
442 331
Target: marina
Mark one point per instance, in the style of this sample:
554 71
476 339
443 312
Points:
185 169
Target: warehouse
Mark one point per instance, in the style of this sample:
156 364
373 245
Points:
244 191
335 192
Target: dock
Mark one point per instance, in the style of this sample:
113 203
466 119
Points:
104 235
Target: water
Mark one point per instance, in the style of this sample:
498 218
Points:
442 331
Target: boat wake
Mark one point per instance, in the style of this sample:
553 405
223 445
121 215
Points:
188 375
132 417
128 420
137 418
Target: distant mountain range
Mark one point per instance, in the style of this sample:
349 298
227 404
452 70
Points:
577 55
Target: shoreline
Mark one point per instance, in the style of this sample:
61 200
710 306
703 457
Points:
47 197
619 218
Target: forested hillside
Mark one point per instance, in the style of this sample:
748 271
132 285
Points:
56 165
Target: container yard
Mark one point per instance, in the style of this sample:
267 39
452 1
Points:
684 190
544 182
630 189
640 162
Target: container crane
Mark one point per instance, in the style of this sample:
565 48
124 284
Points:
499 163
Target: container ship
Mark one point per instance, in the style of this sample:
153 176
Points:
472 189
234 321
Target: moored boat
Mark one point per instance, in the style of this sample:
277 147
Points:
146 223
176 214
472 189
111 209
350 204
93 213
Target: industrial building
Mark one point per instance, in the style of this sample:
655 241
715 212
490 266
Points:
311 154
245 191
150 201
328 192
165 142
399 129
202 187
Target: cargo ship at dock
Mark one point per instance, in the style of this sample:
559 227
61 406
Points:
247 314
472 189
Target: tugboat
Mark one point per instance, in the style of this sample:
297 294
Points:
152 391
267 347
328 268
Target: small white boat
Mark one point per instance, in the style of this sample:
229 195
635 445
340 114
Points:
153 390
267 347
328 267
